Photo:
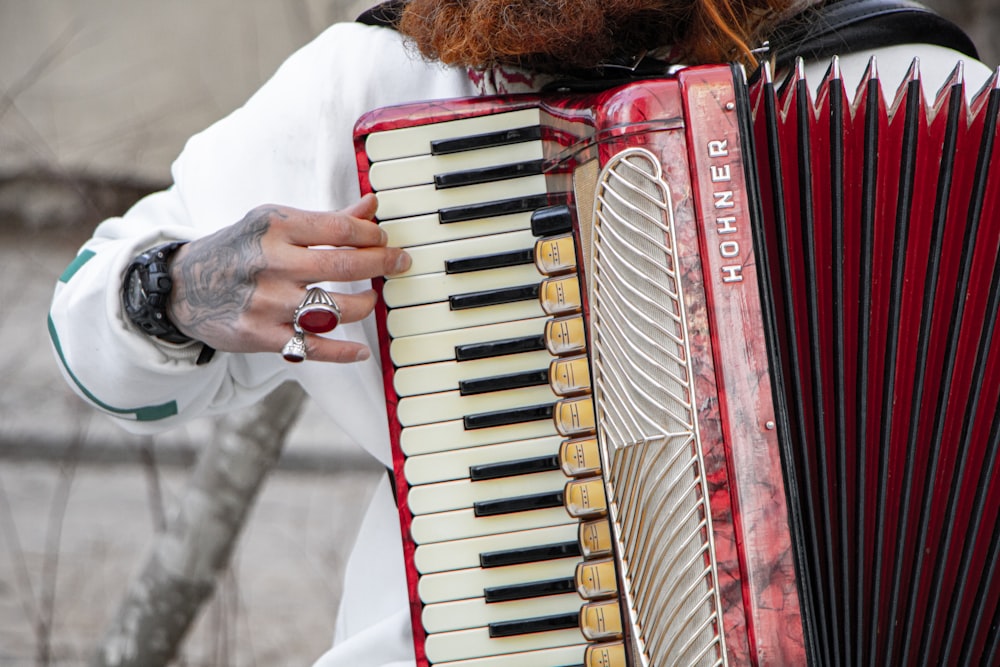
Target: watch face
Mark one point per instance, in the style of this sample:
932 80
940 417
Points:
134 291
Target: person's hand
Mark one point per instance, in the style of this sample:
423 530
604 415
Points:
237 290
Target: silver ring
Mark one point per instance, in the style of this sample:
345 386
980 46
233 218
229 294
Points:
318 313
295 349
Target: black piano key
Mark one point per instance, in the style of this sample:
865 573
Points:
493 297
502 382
491 209
497 261
515 135
499 348
530 625
535 589
552 221
501 172
486 471
534 501
529 554
531 413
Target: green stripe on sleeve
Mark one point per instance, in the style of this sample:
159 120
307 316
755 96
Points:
148 413
75 265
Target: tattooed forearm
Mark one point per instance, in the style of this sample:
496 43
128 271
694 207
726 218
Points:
216 278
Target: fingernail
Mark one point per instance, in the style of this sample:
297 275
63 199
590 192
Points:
363 354
402 263
385 236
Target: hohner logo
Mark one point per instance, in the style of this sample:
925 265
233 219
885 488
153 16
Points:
720 173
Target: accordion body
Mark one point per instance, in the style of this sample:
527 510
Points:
695 372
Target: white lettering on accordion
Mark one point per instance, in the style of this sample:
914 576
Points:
721 174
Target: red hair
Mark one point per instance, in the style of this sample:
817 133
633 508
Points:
568 34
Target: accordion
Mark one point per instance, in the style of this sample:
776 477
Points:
695 371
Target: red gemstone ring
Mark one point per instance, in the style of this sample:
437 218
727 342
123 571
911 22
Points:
318 313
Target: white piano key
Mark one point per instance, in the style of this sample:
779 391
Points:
450 405
440 345
460 524
424 229
432 317
462 493
431 258
454 464
465 584
446 376
462 554
466 644
432 287
423 199
416 140
475 613
443 436
421 169
552 657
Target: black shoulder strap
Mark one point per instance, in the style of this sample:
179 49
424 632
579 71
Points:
385 14
852 25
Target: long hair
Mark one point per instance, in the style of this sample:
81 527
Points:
550 35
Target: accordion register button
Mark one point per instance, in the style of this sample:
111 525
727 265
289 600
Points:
565 336
595 538
605 655
580 457
585 499
560 296
570 376
552 220
596 579
601 621
555 255
574 416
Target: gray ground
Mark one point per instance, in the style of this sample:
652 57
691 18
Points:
78 507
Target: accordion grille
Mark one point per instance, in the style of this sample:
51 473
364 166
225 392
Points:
643 394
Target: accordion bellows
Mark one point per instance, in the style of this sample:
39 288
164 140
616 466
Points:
693 371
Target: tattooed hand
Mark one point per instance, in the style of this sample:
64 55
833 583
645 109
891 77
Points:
237 289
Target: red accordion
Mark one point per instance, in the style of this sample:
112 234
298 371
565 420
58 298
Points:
691 371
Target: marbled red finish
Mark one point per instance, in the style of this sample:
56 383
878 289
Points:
749 426
673 119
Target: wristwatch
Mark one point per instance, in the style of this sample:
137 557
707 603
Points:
146 289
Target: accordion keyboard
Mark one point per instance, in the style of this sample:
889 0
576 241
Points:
506 510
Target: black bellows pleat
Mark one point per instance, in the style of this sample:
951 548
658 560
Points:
878 239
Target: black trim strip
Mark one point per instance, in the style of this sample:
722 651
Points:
529 554
534 501
485 471
499 348
517 135
503 172
483 262
493 297
492 209
501 382
532 413
532 625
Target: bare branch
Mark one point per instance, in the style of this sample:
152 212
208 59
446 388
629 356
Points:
185 561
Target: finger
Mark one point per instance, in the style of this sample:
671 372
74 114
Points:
335 351
333 228
315 265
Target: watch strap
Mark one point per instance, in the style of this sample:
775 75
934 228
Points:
151 271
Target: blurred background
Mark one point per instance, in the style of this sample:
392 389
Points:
96 99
